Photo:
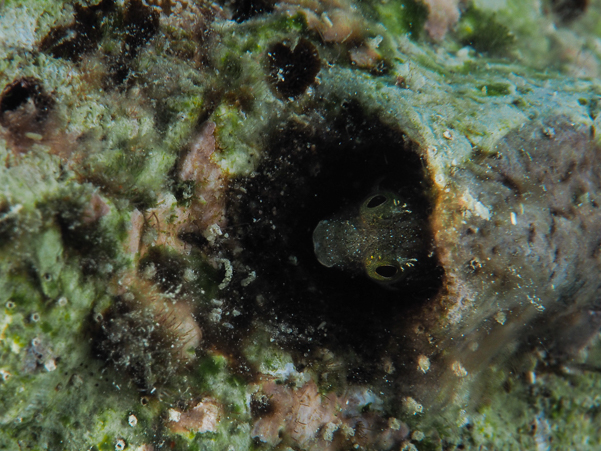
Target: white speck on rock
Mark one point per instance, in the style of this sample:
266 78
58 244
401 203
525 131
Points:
500 317
328 431
249 279
212 232
174 415
423 364
476 207
394 424
458 369
412 406
50 365
418 436
229 272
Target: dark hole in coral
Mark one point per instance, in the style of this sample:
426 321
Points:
260 405
18 94
376 201
292 71
166 270
568 10
26 95
309 177
184 191
140 23
246 9
120 72
387 271
24 111
71 42
193 238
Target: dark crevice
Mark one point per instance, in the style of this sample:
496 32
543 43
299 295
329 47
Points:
21 92
168 269
246 9
71 42
569 10
140 24
307 178
293 70
25 109
134 25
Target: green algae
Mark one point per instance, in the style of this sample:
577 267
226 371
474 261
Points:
405 17
485 33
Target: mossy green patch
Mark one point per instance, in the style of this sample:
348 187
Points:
239 145
495 89
483 32
403 17
211 366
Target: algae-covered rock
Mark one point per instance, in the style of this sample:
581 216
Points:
302 225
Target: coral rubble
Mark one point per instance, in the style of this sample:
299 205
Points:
299 225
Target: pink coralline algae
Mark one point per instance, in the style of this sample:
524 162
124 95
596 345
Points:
208 201
443 15
313 421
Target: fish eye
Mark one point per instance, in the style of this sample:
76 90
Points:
383 269
387 271
382 205
376 201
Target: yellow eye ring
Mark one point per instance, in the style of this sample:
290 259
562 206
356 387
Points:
381 205
382 269
385 269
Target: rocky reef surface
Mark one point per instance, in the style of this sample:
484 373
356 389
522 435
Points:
300 225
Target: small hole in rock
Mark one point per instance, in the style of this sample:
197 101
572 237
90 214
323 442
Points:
292 71
140 23
25 110
568 10
246 9
19 94
307 178
24 97
72 41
